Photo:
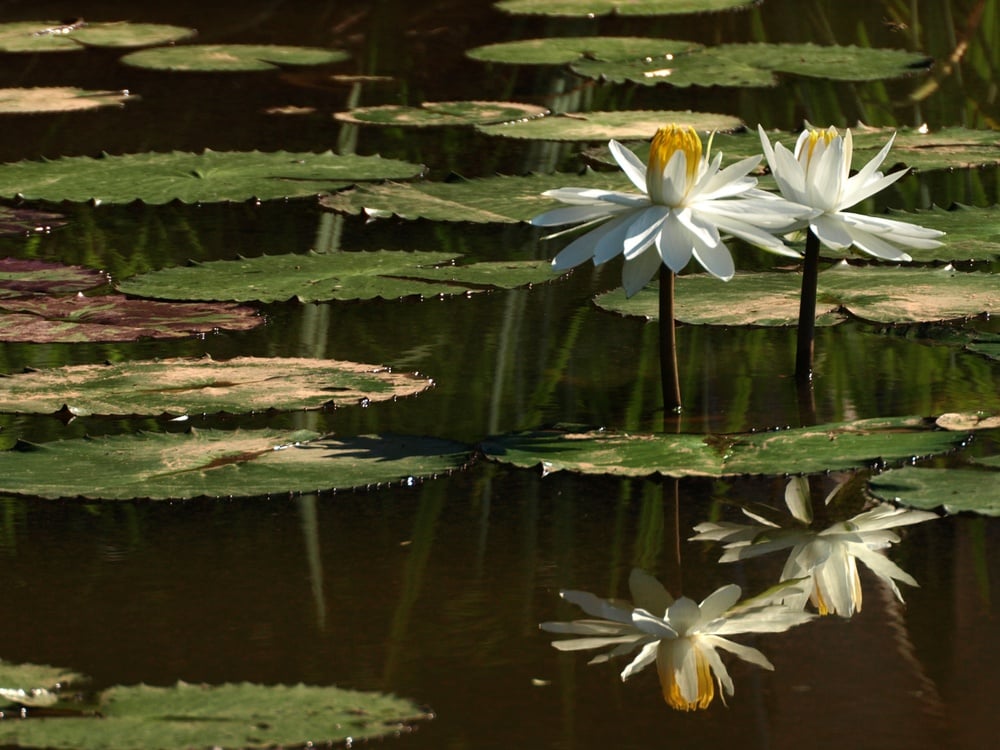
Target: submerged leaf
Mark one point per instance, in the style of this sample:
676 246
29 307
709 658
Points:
218 58
602 126
441 113
57 99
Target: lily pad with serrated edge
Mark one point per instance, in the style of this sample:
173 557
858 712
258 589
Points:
57 99
430 114
56 36
565 50
602 126
801 450
40 319
228 717
211 176
184 386
880 294
956 490
230 58
315 277
28 277
590 8
219 463
33 684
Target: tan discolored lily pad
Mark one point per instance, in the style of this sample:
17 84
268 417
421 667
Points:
78 34
602 126
430 114
57 99
565 50
204 386
33 684
591 8
19 278
225 58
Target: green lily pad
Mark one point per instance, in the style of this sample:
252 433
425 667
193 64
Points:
57 99
986 344
219 463
431 114
601 126
326 276
28 277
956 490
204 386
210 176
232 717
112 317
565 50
228 58
802 450
590 8
881 294
54 36
33 684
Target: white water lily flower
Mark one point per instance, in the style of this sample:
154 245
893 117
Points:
686 202
684 640
818 175
826 560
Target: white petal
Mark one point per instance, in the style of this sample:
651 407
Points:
652 625
730 181
638 271
719 601
717 260
685 664
798 499
717 667
789 175
878 247
586 644
746 653
594 605
584 247
672 186
592 196
855 193
883 567
870 170
589 627
826 175
674 244
612 242
558 217
643 229
643 659
838 582
630 164
648 593
831 231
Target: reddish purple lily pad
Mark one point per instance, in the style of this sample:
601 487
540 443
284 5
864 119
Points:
28 277
15 221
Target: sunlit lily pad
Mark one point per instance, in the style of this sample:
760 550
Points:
57 99
219 463
22 220
33 684
802 450
112 317
956 490
326 276
441 113
19 278
590 8
565 50
602 126
204 386
229 717
57 36
210 176
881 294
219 58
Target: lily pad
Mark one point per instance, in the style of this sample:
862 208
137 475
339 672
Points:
803 450
57 99
431 114
565 50
56 36
590 8
183 386
33 684
210 176
21 221
986 344
601 126
112 317
956 490
885 295
228 58
232 716
326 276
27 277
219 463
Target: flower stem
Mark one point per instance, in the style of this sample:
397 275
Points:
807 310
669 379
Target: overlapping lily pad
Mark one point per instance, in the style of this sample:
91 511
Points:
803 450
972 489
219 463
566 50
881 294
210 176
327 276
28 277
58 36
602 126
590 8
183 386
231 58
431 114
57 99
32 684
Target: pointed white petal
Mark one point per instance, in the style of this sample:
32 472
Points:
630 164
587 644
597 607
558 217
798 499
645 657
638 271
831 231
643 230
648 593
719 601
674 244
746 653
717 259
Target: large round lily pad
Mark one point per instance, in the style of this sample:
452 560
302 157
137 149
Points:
58 36
218 463
565 50
226 58
602 126
590 8
955 489
431 114
57 99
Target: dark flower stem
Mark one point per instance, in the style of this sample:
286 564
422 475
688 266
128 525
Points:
669 380
807 311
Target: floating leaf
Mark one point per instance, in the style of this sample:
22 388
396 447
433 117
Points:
232 717
602 126
881 294
441 113
57 99
25 277
219 463
802 450
33 684
15 221
185 386
955 490
565 50
987 344
54 36
325 276
112 317
219 58
210 176
590 8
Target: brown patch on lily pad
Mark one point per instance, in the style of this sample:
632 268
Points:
19 278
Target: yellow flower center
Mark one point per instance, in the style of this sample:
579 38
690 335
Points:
667 142
706 686
815 136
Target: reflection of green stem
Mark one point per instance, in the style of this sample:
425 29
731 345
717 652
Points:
669 380
310 534
807 310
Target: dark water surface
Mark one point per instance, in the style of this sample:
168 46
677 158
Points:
434 591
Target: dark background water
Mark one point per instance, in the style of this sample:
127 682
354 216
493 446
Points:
434 591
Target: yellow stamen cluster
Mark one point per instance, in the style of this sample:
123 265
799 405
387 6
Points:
670 140
706 687
815 136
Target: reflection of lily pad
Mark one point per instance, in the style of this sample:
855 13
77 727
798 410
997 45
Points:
441 113
803 450
56 36
25 277
235 716
590 8
33 684
219 58
210 176
320 276
955 490
114 318
601 126
565 50
184 386
57 99
885 295
14 221
218 463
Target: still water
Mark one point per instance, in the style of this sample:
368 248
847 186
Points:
435 591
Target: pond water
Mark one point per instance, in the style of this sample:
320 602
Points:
434 591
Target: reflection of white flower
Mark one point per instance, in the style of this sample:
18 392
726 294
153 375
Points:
818 175
683 641
686 202
826 559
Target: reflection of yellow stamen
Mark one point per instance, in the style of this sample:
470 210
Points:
815 136
706 686
670 140
819 602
